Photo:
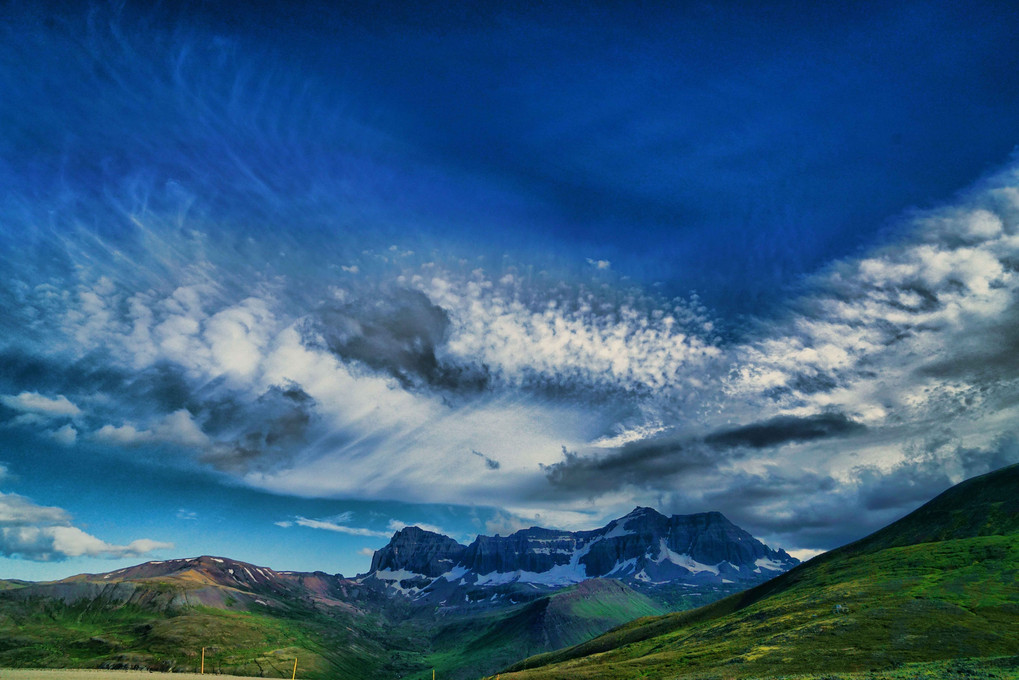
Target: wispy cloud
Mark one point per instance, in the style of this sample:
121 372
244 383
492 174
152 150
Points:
333 525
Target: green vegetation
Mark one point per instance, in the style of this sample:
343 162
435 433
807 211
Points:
465 647
149 631
93 633
942 583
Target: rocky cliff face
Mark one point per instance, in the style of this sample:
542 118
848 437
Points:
418 551
643 547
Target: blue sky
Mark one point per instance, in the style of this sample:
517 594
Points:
276 282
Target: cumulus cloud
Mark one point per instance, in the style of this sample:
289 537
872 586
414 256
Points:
40 533
177 428
65 435
38 405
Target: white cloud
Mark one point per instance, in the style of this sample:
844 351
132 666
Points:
367 552
66 435
571 335
178 428
339 528
37 404
44 534
805 554
123 435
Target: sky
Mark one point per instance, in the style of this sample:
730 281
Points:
276 282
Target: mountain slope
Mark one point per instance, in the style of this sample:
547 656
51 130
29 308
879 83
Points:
159 615
467 646
941 583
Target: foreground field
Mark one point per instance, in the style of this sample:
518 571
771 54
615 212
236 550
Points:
95 674
994 668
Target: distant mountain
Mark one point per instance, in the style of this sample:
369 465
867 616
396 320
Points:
938 584
644 548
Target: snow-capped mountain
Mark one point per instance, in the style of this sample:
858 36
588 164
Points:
644 547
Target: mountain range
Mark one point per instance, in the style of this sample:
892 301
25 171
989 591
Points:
427 601
643 549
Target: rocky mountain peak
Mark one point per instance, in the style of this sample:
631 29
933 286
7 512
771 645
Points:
418 551
642 547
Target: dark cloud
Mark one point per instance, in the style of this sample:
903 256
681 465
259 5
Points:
21 370
786 429
397 331
915 481
264 434
653 463
750 490
490 463
812 510
982 357
657 463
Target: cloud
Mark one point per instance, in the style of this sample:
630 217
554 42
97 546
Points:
658 462
367 552
333 525
490 463
36 404
177 428
66 435
44 534
571 338
639 464
398 331
783 429
504 524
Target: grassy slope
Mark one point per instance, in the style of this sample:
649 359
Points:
940 583
150 632
46 632
467 647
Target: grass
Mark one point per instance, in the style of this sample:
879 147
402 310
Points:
465 647
954 598
95 674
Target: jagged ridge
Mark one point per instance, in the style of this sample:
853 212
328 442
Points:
641 547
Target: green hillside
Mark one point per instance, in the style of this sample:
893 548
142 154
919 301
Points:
468 646
942 583
154 624
40 632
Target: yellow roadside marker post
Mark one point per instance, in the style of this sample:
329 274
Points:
203 661
295 669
